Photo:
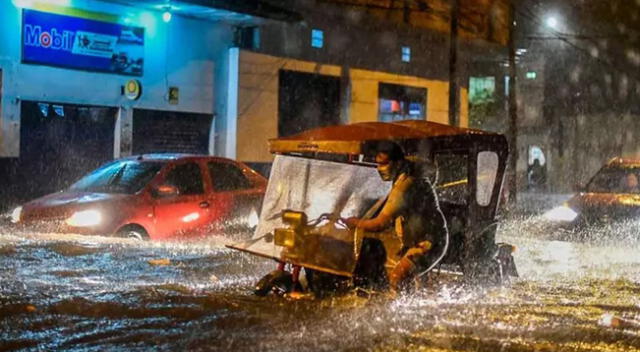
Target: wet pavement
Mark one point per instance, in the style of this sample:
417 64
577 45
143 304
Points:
80 293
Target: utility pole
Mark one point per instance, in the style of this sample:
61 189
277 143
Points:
513 111
454 96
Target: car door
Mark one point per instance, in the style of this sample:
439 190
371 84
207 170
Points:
235 197
187 213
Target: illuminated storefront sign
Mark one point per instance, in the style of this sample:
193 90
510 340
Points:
78 43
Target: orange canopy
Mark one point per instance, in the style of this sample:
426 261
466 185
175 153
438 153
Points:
348 139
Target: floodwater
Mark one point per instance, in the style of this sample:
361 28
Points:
80 293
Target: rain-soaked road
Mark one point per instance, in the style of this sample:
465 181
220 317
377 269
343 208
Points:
65 292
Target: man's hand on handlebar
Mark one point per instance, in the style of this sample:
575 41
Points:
351 222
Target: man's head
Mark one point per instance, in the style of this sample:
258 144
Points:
631 182
390 160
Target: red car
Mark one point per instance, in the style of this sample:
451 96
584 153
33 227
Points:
154 196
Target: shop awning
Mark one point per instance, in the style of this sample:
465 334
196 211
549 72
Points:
256 8
220 10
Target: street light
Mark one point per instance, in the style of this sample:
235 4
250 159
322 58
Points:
551 22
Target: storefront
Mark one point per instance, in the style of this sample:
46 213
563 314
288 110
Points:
221 82
59 142
84 81
172 132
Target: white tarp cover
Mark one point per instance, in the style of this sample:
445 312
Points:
314 187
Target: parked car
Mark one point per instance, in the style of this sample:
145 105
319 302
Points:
154 196
612 194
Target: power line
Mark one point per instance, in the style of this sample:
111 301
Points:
559 36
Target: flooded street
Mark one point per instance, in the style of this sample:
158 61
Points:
67 292
366 139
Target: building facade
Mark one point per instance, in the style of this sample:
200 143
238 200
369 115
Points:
183 77
577 94
68 105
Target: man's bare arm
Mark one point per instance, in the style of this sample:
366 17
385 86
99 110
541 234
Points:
379 223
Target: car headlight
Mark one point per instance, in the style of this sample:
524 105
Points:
561 214
85 218
16 214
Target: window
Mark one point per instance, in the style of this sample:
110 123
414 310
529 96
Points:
615 180
227 177
506 86
317 38
247 37
187 178
406 54
535 152
98 179
452 184
487 170
398 102
482 89
306 101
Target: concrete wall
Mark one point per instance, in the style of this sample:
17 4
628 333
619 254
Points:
579 127
258 98
589 141
182 53
365 98
590 109
357 44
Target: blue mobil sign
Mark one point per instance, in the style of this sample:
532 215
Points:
78 43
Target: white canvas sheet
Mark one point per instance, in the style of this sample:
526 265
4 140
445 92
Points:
314 187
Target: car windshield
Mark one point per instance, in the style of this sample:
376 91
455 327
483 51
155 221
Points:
127 177
615 180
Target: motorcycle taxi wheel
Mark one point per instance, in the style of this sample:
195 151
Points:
277 281
500 272
323 284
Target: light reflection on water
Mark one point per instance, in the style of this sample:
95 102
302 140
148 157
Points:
94 293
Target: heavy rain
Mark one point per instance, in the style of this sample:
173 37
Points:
319 175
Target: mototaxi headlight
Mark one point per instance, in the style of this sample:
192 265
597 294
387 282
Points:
285 237
561 214
16 214
294 219
85 218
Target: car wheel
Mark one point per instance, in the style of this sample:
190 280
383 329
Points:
133 232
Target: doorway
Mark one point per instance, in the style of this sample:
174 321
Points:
61 142
157 131
307 100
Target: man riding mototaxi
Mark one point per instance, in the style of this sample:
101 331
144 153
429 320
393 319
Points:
410 209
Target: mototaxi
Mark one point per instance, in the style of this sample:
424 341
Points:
322 175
